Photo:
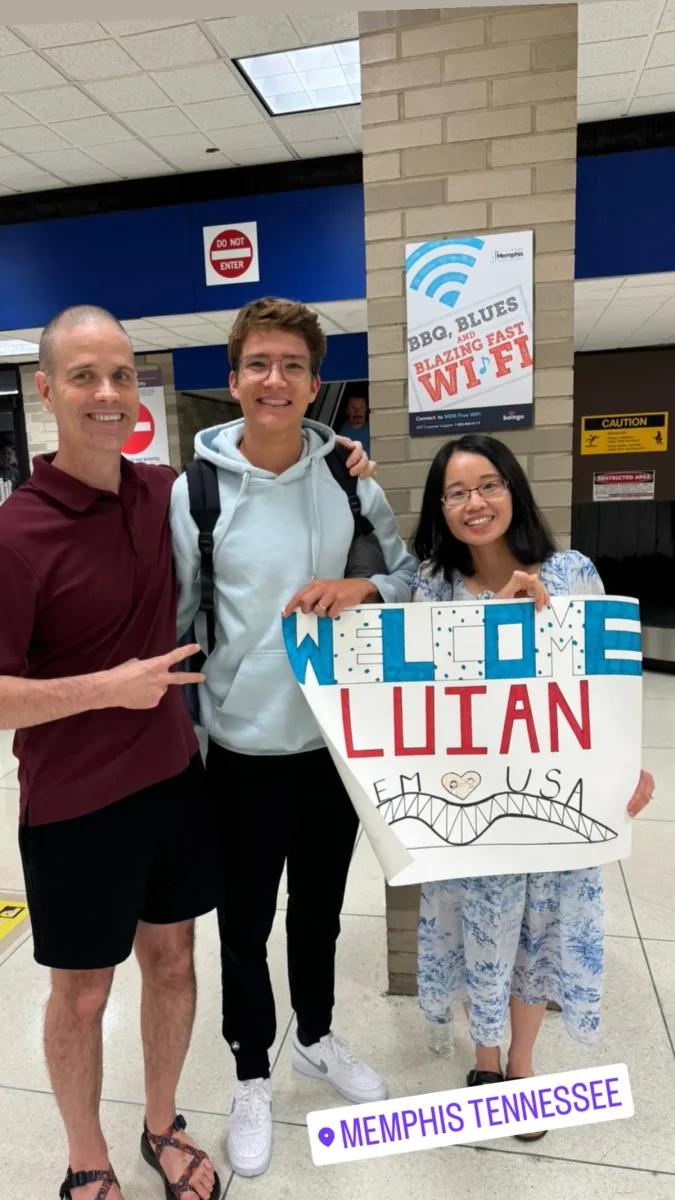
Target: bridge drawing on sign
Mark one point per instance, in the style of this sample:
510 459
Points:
462 824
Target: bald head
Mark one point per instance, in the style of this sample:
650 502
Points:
71 318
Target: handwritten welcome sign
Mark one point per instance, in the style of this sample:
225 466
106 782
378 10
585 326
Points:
481 738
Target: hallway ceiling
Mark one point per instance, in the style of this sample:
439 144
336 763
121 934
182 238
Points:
99 101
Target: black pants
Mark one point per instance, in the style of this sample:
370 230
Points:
294 809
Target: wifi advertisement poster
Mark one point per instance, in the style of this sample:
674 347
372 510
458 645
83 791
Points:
470 342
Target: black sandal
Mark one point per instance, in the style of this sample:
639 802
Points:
80 1179
527 1137
478 1078
152 1145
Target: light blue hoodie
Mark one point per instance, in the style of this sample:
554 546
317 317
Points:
275 534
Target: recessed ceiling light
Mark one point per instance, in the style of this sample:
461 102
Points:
305 80
9 348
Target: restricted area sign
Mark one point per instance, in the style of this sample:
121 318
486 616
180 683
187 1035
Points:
231 253
143 433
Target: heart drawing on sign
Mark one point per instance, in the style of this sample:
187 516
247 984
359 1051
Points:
461 786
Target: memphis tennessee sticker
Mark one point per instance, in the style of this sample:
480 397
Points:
480 738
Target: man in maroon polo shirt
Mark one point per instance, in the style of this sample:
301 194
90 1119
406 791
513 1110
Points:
112 784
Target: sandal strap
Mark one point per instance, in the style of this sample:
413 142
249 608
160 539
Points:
165 1141
80 1179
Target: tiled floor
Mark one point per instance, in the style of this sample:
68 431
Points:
628 1159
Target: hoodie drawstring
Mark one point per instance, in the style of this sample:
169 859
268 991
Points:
316 526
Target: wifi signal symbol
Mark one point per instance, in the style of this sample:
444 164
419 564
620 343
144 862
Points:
425 263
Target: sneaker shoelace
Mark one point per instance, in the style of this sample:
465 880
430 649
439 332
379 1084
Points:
343 1054
253 1102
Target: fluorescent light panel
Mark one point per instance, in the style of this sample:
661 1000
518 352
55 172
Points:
303 80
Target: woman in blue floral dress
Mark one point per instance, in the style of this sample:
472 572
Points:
503 942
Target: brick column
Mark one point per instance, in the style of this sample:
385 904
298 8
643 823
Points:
469 126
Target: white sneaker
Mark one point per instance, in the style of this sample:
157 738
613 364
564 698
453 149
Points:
249 1138
332 1060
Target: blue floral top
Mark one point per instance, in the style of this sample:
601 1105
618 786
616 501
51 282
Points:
536 937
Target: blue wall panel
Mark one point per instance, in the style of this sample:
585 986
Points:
625 220
150 262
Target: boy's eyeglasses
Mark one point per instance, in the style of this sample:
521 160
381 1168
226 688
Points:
258 367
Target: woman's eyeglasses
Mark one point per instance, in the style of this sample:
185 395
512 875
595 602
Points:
258 367
492 489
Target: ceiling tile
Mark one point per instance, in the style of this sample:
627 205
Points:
170 47
63 34
7 191
662 53
119 154
24 71
32 138
204 332
241 36
317 28
181 145
61 161
351 119
41 181
123 28
152 122
192 164
654 83
9 43
96 174
622 19
224 114
668 18
611 57
145 170
266 154
96 60
172 321
190 85
91 131
224 317
244 137
601 112
11 116
130 94
324 147
13 167
308 127
644 105
57 104
605 87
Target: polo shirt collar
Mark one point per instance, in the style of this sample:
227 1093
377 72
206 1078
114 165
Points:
71 492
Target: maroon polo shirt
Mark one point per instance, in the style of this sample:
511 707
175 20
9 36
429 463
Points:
87 583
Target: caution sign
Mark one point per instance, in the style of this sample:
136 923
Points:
623 485
625 433
12 913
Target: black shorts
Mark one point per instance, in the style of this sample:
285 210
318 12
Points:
90 880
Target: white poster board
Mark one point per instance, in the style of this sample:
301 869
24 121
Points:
470 344
149 443
481 738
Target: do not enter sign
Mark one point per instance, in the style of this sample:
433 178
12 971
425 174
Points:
143 433
231 253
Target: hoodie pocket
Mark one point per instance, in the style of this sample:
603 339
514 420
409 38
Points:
256 684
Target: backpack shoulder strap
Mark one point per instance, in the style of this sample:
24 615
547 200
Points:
202 481
336 461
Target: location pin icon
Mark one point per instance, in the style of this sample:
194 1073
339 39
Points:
326 1136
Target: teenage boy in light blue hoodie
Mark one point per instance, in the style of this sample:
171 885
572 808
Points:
281 543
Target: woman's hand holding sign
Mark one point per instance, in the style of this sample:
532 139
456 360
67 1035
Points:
328 597
521 585
642 794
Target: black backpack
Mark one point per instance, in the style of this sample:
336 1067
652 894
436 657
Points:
365 554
